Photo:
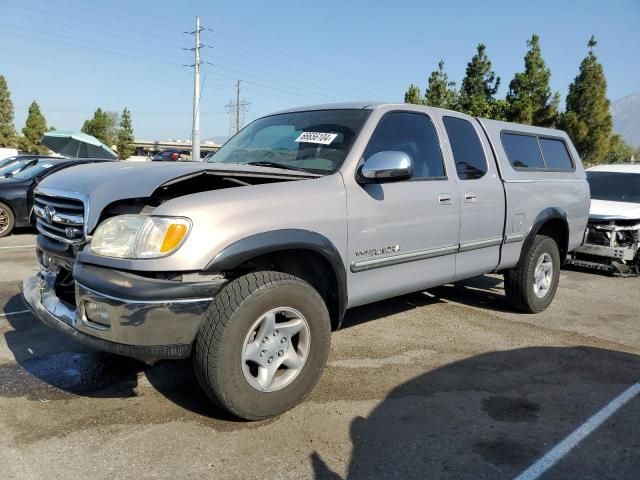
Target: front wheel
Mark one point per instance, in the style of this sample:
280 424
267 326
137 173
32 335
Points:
531 286
7 220
262 345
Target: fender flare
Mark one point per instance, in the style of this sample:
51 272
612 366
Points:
550 213
259 244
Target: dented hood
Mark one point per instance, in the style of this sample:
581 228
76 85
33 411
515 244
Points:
104 183
607 210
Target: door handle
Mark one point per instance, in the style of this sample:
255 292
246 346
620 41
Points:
445 199
470 197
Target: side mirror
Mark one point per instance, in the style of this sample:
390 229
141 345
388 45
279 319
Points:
386 166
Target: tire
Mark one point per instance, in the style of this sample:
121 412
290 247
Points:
523 291
7 220
235 323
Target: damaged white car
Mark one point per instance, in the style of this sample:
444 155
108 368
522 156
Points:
612 238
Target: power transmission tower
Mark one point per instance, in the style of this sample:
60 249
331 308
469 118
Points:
195 133
237 111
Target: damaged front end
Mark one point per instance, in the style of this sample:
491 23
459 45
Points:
610 245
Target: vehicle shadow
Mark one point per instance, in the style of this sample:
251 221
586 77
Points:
493 415
23 231
384 308
50 366
484 291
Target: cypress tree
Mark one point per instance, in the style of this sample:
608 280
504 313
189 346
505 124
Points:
479 86
8 137
440 91
412 95
35 127
125 135
587 118
530 99
98 126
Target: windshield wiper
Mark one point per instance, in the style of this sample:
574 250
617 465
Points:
266 163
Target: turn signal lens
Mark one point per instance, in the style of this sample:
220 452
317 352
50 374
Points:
173 237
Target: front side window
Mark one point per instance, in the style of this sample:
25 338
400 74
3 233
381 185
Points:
315 141
413 134
467 150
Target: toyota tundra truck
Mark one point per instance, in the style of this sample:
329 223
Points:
247 262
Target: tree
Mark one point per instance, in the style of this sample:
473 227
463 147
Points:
412 95
99 126
587 118
112 127
8 137
125 135
479 86
619 150
530 99
441 92
35 127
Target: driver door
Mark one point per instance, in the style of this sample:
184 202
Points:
403 235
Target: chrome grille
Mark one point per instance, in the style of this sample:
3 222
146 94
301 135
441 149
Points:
60 218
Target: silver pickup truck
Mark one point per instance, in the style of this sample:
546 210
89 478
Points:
249 261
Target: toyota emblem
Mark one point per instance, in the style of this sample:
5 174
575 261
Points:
49 212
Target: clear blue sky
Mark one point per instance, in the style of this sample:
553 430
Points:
73 56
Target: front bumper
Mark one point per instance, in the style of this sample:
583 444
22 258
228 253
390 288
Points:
135 316
615 253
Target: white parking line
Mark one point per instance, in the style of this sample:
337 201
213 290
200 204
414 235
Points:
17 246
566 445
14 313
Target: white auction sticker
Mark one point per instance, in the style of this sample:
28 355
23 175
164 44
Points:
316 137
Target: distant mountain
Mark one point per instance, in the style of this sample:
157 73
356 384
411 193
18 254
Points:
626 118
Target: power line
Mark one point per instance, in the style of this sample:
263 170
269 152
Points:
280 53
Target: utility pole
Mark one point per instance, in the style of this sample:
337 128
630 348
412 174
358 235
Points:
195 134
236 111
238 105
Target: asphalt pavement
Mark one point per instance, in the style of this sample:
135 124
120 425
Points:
446 383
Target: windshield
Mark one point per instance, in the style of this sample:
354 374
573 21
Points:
316 141
31 171
615 186
7 161
15 166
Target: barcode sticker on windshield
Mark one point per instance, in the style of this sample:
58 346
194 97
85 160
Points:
316 137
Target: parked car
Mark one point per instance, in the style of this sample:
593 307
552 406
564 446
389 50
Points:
171 155
8 152
249 261
208 157
612 238
16 189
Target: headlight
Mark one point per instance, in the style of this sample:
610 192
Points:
139 236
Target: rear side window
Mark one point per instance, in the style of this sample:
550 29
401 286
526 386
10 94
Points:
541 153
522 150
555 154
467 150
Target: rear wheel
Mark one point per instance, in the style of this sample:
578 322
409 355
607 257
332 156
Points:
262 345
7 220
531 286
